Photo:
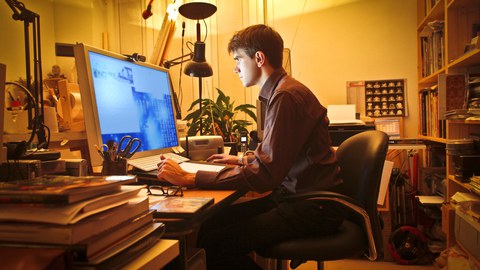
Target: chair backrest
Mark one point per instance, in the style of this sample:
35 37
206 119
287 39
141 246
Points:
361 158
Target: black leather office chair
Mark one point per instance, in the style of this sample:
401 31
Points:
361 159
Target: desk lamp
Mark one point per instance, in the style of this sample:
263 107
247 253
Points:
21 13
198 66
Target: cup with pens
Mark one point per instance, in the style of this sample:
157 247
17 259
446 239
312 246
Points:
115 155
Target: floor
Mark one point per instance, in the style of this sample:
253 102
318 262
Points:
364 264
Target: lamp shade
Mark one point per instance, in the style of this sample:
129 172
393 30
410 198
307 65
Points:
197 10
198 67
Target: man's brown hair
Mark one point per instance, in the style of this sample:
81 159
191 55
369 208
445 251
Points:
256 38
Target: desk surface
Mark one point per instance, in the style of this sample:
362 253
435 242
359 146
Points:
222 198
157 256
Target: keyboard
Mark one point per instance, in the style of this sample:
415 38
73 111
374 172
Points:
150 163
176 157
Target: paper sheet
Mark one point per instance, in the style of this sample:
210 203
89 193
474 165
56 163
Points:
342 114
194 167
430 199
386 173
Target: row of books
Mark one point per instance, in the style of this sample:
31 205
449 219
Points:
94 222
432 47
430 123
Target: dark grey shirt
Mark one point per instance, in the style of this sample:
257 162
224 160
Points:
295 151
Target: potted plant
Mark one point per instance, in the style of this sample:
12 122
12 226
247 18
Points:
219 117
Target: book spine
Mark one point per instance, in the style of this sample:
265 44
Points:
33 198
128 253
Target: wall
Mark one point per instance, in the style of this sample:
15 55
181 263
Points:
65 21
331 42
12 46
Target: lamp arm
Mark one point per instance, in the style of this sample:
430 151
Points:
20 13
176 61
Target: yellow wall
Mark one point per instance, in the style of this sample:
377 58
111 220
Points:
331 41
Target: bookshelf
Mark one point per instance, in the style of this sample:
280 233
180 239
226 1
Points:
445 50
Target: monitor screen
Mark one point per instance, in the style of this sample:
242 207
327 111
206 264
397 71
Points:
122 97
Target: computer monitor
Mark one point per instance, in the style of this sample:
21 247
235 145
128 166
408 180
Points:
124 97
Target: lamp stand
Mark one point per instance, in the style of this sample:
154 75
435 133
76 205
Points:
200 103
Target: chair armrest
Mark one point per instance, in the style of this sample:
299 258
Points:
320 195
344 201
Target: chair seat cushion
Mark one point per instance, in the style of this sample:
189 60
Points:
348 241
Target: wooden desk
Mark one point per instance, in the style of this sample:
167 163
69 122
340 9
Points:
157 256
222 198
181 228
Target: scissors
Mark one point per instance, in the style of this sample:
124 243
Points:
125 145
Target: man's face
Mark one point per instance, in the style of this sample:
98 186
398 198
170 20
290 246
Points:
246 67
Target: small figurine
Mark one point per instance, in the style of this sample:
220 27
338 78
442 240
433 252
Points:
56 72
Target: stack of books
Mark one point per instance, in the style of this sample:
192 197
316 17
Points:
93 222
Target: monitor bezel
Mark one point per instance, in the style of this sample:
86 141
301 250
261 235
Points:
90 112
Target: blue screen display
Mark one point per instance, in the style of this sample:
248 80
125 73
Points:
133 100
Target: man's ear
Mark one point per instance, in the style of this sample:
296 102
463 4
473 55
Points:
260 58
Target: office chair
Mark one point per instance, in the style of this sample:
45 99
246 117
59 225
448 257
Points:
361 159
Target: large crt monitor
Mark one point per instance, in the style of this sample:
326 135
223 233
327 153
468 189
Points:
122 97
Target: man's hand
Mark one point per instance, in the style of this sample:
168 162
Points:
170 171
223 158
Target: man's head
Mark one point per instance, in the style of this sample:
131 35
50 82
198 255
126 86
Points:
259 38
258 50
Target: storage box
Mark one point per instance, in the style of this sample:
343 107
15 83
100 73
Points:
467 233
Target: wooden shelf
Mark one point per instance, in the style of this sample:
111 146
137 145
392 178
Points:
459 16
431 79
436 13
433 139
468 59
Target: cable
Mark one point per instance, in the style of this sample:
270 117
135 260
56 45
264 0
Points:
180 89
206 30
298 24
35 107
37 125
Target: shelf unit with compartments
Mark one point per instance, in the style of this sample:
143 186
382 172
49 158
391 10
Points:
447 41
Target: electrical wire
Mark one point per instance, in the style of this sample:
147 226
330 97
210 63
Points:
36 123
206 31
298 24
180 89
35 107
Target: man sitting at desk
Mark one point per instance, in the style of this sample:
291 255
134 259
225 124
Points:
294 157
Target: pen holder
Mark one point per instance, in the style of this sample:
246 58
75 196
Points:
114 167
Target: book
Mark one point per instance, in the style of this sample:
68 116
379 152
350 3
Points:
66 214
43 233
56 189
87 249
180 207
127 250
452 93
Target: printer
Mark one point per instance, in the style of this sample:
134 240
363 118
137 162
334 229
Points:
343 123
